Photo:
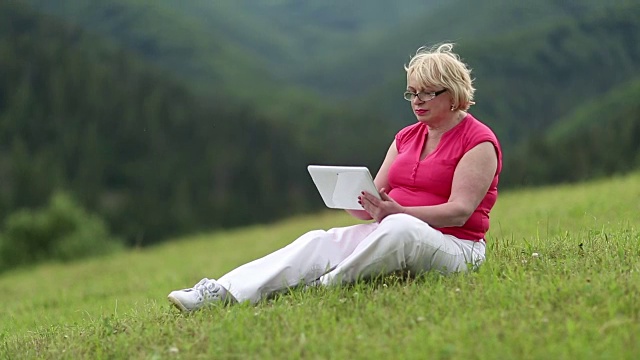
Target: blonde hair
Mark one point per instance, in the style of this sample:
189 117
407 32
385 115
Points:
439 66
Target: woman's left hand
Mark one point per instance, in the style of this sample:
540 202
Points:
379 208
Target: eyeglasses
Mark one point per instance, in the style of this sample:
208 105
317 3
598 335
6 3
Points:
423 96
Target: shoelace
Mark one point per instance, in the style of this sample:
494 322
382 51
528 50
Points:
207 289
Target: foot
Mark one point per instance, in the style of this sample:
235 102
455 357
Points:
205 292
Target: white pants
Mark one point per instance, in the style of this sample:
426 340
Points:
343 255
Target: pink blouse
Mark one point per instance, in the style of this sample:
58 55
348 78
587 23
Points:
428 182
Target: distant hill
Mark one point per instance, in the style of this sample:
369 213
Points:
598 139
246 50
169 117
232 46
528 81
134 145
462 21
295 55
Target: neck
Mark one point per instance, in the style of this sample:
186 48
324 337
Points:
447 124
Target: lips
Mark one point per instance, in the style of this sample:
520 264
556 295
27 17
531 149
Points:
421 111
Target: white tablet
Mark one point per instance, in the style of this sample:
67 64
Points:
340 186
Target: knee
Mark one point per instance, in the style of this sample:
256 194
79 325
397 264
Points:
403 226
309 238
400 217
403 223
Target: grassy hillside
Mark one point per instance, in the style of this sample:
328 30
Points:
561 282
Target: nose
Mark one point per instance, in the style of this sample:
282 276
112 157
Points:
416 100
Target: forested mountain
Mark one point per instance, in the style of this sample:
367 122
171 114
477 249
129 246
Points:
245 51
598 139
461 21
131 143
527 81
242 47
290 52
168 117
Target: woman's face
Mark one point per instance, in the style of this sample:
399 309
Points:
435 105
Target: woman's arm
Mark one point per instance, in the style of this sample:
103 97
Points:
382 177
471 180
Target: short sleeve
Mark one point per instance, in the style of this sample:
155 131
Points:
406 135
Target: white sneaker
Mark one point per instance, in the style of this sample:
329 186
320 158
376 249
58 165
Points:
205 292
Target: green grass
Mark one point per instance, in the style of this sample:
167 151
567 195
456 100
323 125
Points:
578 298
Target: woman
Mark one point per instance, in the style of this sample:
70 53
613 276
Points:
438 183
